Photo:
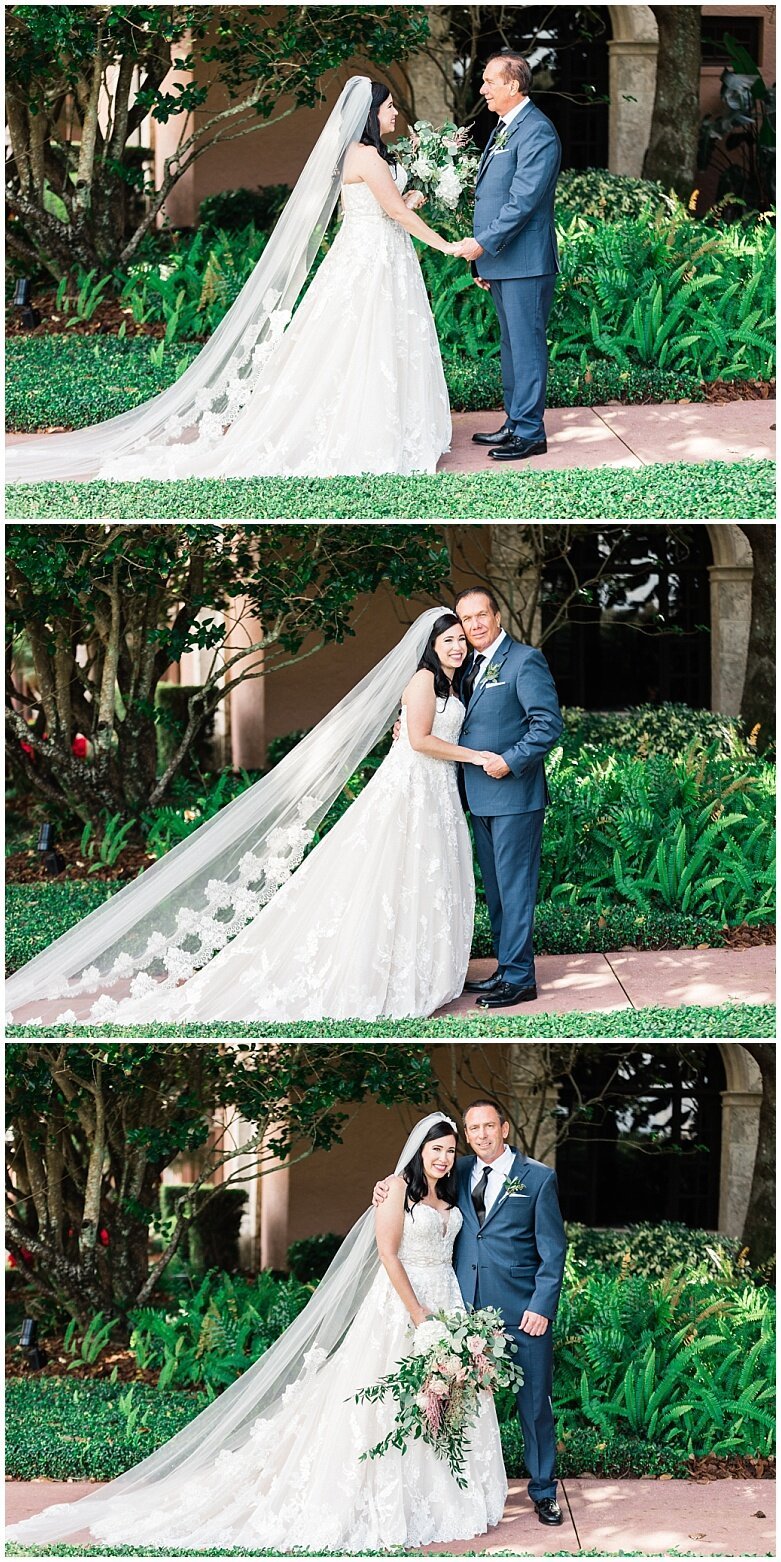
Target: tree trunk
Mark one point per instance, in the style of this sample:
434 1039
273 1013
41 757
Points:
758 702
759 1229
671 155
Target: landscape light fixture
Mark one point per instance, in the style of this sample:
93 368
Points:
28 1339
23 293
53 861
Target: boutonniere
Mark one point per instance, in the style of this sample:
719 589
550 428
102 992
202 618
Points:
491 674
513 1185
501 140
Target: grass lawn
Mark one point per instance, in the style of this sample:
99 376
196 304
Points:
742 490
693 1021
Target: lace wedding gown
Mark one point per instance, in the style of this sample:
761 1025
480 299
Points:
377 921
299 1482
354 385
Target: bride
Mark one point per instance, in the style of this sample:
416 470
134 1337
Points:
275 1461
352 383
376 922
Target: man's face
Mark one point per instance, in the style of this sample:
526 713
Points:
481 624
486 1134
500 95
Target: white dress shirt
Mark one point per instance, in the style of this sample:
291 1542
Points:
512 113
488 653
499 1170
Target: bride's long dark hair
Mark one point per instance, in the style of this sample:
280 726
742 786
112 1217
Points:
371 130
415 1176
431 661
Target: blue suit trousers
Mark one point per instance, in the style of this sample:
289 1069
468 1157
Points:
523 305
508 851
535 1408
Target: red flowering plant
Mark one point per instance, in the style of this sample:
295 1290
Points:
456 1360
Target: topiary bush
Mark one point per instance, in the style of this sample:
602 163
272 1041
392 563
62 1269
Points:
309 1257
596 194
652 1250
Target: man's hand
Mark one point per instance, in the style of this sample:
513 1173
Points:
481 282
380 1193
468 249
396 731
495 766
533 1323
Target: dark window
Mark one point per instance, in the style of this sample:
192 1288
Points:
746 29
566 46
651 1149
639 631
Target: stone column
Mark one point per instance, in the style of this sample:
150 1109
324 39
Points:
739 1133
274 1212
632 52
730 598
534 1099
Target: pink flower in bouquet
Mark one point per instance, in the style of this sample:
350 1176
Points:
474 1344
439 1387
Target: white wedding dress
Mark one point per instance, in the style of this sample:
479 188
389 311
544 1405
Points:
376 922
298 1481
354 385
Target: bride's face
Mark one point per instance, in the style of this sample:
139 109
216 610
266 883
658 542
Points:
451 648
438 1156
387 114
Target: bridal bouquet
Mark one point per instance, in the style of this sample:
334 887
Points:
455 1358
442 163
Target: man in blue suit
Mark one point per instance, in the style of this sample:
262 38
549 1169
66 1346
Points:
514 251
509 1254
512 713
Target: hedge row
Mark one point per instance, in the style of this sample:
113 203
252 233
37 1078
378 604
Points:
692 1022
72 381
709 490
36 914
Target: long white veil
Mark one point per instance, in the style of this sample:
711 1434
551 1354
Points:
211 393
225 1424
169 922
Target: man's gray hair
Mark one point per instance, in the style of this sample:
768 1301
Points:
516 68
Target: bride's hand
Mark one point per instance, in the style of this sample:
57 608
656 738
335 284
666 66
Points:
420 1316
414 200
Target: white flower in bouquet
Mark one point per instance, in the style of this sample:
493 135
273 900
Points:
423 168
449 188
428 1334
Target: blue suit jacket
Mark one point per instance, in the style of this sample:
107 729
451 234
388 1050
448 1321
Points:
514 199
517 1258
516 715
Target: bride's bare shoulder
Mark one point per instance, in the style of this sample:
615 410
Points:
363 164
421 683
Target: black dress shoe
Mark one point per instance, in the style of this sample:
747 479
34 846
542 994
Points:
502 436
486 986
548 1511
503 996
518 449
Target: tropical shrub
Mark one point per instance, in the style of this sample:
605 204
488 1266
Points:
231 211
668 728
679 1361
212 1241
604 197
216 1333
652 1250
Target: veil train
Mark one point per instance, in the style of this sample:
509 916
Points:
211 393
225 1425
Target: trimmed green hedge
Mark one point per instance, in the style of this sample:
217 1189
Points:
710 490
36 914
72 381
691 1022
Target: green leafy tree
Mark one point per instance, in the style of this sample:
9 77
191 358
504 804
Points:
101 611
82 80
92 1127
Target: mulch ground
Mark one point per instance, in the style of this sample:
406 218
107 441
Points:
26 867
734 1468
59 1364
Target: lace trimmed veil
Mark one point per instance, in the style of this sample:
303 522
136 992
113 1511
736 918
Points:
169 922
211 393
226 1424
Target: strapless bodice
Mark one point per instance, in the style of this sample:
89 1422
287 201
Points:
358 201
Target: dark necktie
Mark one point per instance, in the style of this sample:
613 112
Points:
469 682
478 1195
